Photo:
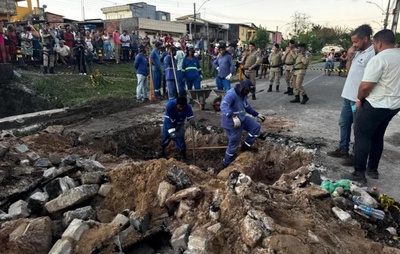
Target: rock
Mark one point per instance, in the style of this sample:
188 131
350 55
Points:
390 250
214 212
288 243
83 213
21 148
190 193
75 230
340 214
59 186
24 163
120 220
26 236
198 242
90 165
70 160
37 201
165 190
72 197
55 159
312 238
57 228
3 150
50 173
32 156
343 203
179 178
139 221
184 206
61 246
214 228
250 231
19 209
243 182
92 177
180 238
4 216
105 189
42 163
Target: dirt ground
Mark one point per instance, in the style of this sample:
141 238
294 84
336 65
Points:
125 136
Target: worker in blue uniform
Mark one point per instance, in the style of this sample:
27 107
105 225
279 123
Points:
191 70
234 108
170 73
156 68
176 113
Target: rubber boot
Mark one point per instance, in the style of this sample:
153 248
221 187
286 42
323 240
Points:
270 88
253 96
45 69
290 91
296 99
52 70
182 154
287 91
277 88
305 99
162 153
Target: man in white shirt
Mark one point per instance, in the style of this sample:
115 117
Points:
179 59
378 101
125 45
359 54
63 52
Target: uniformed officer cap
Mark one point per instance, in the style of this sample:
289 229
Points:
252 44
221 46
301 45
291 42
276 45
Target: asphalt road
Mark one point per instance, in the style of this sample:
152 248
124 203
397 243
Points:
319 118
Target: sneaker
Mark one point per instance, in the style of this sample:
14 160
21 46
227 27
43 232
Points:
349 161
139 100
338 153
355 176
372 173
246 148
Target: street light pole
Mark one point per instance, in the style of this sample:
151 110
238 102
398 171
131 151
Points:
386 13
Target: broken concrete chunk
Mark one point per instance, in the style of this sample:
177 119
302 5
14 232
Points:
184 206
105 189
198 242
4 216
42 163
58 186
21 149
50 173
92 177
190 193
55 159
340 214
180 238
37 201
61 246
214 228
165 190
70 159
75 230
32 156
120 220
90 165
251 231
179 178
19 209
3 150
72 197
139 221
83 213
24 163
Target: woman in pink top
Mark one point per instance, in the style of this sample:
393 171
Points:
117 44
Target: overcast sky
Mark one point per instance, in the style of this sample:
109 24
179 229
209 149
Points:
270 14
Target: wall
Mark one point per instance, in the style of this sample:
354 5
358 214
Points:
144 10
55 20
119 15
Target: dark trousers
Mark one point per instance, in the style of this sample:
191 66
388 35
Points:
369 130
125 53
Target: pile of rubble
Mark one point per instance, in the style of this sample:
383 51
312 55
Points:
52 203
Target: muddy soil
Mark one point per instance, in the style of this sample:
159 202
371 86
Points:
124 136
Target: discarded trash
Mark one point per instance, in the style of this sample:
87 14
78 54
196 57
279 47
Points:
330 187
340 214
367 210
367 199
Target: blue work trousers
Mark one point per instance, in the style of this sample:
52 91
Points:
179 141
194 82
223 83
171 86
157 81
252 127
345 122
181 84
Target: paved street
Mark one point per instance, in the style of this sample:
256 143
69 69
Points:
319 118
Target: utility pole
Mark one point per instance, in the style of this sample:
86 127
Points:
194 25
396 16
385 22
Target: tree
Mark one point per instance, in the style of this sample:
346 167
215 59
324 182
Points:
300 24
261 38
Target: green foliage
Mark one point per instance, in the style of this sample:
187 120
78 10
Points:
261 38
398 38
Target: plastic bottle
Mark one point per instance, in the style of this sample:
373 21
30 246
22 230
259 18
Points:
367 210
367 199
374 192
358 200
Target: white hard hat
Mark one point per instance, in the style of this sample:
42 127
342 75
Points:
177 45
